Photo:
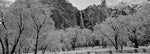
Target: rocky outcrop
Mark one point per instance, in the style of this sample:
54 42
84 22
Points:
65 15
126 10
94 14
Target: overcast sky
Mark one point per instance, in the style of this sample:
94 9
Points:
82 4
11 0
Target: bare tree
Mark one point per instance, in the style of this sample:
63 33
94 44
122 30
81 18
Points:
21 25
133 37
112 29
38 24
3 43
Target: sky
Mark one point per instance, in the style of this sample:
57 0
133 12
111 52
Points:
11 0
82 4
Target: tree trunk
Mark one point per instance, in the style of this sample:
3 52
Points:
102 42
86 43
7 44
3 48
44 49
37 40
16 43
136 43
73 46
116 42
26 50
19 51
15 52
20 48
74 43
121 45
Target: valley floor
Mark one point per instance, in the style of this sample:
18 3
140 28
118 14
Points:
97 50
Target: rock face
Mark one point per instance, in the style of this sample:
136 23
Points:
65 15
115 12
94 14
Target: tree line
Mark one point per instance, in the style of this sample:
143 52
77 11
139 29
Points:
27 26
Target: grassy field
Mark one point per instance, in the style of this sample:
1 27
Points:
97 50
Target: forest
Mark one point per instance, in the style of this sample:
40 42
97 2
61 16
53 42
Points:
30 26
